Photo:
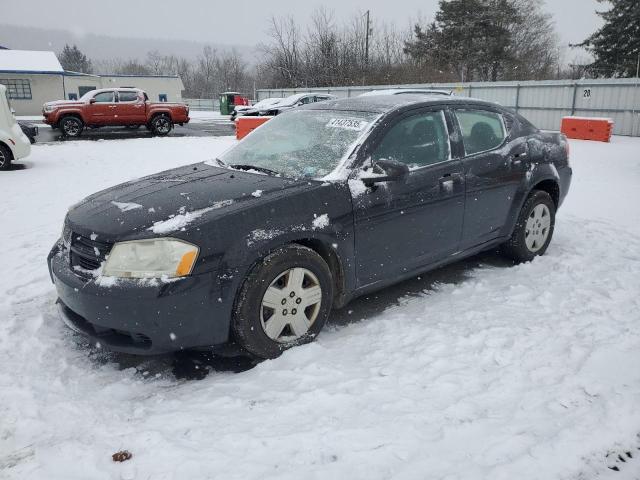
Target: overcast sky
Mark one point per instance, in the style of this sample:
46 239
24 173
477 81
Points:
244 21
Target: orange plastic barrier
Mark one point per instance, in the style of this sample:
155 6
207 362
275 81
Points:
245 125
588 128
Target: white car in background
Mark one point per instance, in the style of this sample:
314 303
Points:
294 101
14 144
253 110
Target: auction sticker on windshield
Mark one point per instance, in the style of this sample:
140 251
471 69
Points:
348 123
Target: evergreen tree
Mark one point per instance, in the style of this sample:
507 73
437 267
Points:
482 39
616 45
71 58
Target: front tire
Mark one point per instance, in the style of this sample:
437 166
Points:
5 157
161 125
284 301
71 127
534 228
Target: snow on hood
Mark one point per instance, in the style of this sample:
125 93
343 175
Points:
171 200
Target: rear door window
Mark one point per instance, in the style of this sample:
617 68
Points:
128 96
104 97
482 130
418 141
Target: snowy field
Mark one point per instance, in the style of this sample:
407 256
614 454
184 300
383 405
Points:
480 370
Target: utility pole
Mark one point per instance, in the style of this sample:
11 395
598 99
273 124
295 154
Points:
366 41
366 46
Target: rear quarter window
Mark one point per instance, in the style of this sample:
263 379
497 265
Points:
482 130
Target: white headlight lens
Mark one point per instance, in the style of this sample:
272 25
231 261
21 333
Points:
157 257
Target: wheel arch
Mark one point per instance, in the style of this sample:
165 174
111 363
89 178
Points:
70 113
551 186
544 180
156 113
330 256
11 155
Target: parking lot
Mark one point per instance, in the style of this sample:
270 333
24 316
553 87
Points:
477 370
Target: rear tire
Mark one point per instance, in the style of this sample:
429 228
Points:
284 301
161 125
5 157
71 127
534 229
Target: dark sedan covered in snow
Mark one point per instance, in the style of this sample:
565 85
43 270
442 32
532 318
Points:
319 205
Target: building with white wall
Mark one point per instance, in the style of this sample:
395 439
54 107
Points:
34 77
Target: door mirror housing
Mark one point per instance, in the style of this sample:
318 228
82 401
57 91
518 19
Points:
93 100
391 171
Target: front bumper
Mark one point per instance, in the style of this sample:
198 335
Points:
49 118
142 317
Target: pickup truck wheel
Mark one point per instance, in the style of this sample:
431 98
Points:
161 125
71 127
534 228
284 301
5 157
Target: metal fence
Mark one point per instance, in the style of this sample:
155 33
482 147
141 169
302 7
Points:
544 103
202 103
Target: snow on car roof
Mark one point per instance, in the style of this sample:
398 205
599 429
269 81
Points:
29 61
407 91
387 103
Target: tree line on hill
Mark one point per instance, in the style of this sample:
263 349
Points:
468 40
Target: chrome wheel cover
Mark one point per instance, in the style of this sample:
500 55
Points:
290 305
537 228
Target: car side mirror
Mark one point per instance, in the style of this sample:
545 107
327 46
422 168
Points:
93 100
391 171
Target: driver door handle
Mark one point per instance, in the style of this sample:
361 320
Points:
450 177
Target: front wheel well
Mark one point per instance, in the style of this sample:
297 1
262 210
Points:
67 115
552 188
330 256
8 148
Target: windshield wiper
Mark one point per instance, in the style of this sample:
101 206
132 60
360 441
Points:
254 167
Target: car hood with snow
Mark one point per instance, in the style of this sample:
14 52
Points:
171 200
63 103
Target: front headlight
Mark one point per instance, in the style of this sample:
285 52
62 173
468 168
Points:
156 257
48 108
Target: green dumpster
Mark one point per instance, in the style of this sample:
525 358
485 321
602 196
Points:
227 102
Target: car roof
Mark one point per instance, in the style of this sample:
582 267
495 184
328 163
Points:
116 89
406 91
389 103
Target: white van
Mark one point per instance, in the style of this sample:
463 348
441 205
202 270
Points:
13 143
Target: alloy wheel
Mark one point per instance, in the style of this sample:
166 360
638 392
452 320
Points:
71 128
3 159
163 125
290 305
537 227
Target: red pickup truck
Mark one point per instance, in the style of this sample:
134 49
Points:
127 107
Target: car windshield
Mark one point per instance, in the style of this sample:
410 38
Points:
301 143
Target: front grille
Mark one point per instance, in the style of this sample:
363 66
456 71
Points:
86 253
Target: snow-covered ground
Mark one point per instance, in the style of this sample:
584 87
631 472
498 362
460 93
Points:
476 371
207 116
